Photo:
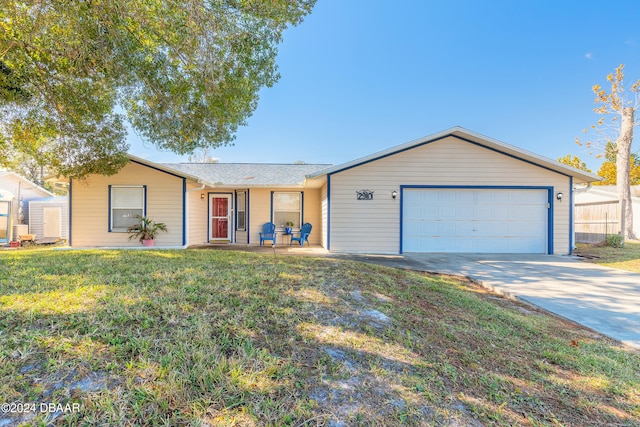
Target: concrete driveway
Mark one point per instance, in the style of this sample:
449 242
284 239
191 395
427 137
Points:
604 299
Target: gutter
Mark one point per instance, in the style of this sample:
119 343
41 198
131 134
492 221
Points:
198 189
577 189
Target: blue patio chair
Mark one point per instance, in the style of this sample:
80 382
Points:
268 233
304 235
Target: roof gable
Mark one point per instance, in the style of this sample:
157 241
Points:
474 138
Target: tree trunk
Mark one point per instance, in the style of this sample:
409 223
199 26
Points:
623 160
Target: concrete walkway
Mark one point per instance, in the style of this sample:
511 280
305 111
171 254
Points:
601 298
604 299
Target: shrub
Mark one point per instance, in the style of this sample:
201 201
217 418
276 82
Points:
615 240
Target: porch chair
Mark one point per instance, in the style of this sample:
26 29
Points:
268 233
304 235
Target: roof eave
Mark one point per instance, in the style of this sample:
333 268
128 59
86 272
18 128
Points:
31 183
241 185
165 168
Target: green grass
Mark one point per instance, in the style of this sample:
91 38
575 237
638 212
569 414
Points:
204 337
625 258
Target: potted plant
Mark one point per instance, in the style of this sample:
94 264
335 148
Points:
288 228
146 230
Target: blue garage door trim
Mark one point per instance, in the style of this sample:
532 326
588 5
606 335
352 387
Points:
549 190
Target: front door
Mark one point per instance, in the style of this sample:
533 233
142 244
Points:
219 217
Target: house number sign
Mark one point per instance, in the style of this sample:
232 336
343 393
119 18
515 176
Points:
364 195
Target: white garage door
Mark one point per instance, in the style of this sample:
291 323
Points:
474 220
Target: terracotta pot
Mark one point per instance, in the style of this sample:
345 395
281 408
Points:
149 242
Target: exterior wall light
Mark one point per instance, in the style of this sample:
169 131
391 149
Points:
201 196
559 196
394 194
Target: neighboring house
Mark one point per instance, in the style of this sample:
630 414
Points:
604 198
455 191
24 191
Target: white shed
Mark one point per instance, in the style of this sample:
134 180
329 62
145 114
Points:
49 218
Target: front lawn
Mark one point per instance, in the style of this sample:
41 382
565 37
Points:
625 258
216 338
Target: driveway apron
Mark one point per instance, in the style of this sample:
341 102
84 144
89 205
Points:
604 299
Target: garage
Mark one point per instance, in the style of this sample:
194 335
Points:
453 191
476 220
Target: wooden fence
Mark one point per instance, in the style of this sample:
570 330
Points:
594 221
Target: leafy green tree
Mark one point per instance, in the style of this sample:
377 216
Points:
184 73
574 161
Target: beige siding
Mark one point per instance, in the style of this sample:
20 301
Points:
374 225
324 210
197 214
313 214
90 204
260 212
241 236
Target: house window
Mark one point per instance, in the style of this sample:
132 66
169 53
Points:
287 207
241 210
126 202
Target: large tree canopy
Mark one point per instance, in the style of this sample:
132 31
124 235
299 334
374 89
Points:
184 73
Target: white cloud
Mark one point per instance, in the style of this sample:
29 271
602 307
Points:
588 55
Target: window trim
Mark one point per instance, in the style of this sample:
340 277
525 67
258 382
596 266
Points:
301 193
110 211
241 194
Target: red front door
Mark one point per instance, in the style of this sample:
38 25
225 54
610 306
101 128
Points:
219 209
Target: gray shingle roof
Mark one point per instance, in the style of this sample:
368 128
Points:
248 174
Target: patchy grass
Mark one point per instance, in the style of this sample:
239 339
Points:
625 258
220 338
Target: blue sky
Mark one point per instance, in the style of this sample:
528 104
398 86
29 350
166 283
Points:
361 76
